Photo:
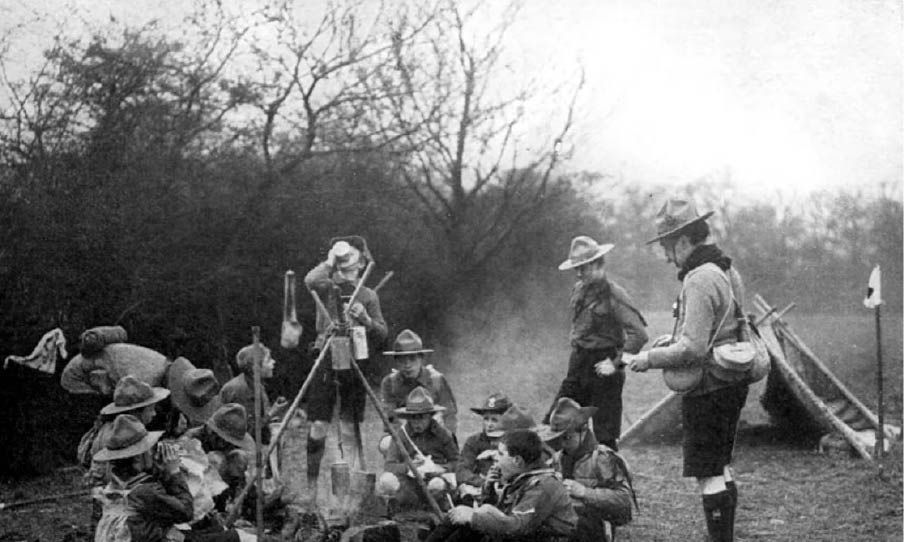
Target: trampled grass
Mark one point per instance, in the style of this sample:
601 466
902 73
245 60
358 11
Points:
789 492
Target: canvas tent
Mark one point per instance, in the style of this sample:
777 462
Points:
800 392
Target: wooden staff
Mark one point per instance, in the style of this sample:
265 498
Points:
880 432
419 478
276 438
258 421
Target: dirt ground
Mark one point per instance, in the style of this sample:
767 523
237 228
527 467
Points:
788 491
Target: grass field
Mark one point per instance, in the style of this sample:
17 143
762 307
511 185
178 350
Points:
789 492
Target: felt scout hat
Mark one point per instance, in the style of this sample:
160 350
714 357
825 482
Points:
195 392
350 251
231 423
128 439
566 415
516 417
583 251
496 403
407 343
131 393
418 402
676 215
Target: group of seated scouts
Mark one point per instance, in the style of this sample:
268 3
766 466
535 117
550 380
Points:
178 482
513 479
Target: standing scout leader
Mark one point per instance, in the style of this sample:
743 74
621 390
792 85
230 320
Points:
604 323
710 410
334 280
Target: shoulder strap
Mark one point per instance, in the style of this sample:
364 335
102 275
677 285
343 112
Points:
732 301
622 466
620 295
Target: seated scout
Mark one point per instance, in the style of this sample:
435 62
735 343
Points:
477 455
431 447
596 477
410 372
534 504
147 494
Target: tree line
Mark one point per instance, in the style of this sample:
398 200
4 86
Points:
165 183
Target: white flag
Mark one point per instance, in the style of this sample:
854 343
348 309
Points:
873 290
44 357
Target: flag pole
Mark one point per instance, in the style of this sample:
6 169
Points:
880 436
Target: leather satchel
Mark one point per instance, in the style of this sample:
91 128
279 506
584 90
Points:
748 358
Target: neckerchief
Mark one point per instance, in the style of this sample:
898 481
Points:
704 254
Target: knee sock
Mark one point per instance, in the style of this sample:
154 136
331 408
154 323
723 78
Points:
315 451
719 509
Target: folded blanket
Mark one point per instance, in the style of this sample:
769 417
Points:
99 374
95 339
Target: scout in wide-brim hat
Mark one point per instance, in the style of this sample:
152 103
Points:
583 251
128 439
131 393
676 215
407 343
195 392
516 417
350 251
418 402
568 414
230 422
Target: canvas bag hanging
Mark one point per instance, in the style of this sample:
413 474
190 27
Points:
748 358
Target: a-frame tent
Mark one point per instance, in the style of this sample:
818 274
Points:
800 391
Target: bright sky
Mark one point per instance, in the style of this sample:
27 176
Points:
788 96
796 95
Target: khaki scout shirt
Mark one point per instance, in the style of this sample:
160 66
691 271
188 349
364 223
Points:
535 506
603 316
394 389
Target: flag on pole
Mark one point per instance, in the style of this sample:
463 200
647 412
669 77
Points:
44 356
873 290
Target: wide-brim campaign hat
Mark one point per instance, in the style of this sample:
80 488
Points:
230 422
131 393
496 403
195 392
417 403
515 418
676 215
568 414
583 251
129 438
407 343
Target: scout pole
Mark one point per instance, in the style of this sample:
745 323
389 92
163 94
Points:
419 478
880 434
276 437
258 421
874 301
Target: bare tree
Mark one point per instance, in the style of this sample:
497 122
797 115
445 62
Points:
476 172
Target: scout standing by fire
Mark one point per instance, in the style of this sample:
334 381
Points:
334 281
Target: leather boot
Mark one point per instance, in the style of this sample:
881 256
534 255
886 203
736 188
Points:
719 509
